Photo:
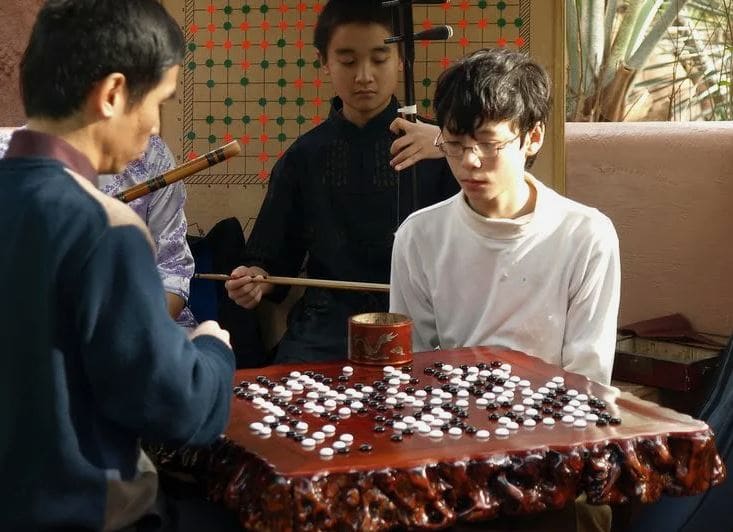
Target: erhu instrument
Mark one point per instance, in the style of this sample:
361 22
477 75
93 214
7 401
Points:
405 37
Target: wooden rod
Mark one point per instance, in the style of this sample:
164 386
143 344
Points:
180 172
300 281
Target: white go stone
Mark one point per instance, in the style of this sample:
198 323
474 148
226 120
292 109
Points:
405 377
399 426
483 434
528 401
256 426
308 442
510 385
503 420
551 385
572 393
328 430
489 395
356 405
436 434
497 389
445 416
581 397
531 412
512 425
344 411
427 418
591 417
447 368
568 419
393 391
437 423
585 408
269 419
265 432
518 408
580 423
574 402
529 423
463 394
515 379
579 413
423 428
295 374
326 452
455 431
502 431
421 394
524 383
482 402
339 445
394 381
346 437
462 403
329 404
548 421
569 409
347 370
301 427
367 389
282 430
558 380
318 436
409 420
527 392
544 390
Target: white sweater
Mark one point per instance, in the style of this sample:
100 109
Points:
547 284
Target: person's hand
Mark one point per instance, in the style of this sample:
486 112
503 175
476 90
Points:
211 328
243 290
417 143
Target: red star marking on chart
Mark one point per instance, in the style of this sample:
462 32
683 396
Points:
209 44
228 137
445 6
245 139
246 44
192 155
463 23
211 28
244 26
482 23
501 43
464 5
263 118
316 120
279 154
317 83
263 157
519 41
193 29
302 7
264 44
211 9
426 24
299 44
299 25
263 175
282 25
424 44
317 101
463 41
265 25
245 64
445 62
299 83
264 138
228 44
283 8
317 7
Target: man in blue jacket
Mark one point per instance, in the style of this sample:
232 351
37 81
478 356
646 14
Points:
92 362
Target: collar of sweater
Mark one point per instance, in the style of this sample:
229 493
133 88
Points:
507 228
377 126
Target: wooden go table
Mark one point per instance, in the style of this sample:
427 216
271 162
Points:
429 481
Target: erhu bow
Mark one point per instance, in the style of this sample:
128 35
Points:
405 37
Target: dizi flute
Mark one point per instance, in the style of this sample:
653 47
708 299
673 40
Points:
206 160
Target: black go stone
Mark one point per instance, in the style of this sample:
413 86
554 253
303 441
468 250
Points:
410 389
414 380
299 438
396 437
496 363
429 371
470 429
327 380
365 447
494 416
428 388
408 432
397 417
438 364
362 410
615 421
343 450
309 373
389 422
343 378
380 419
358 386
537 418
340 388
481 365
601 422
519 419
407 369
333 418
557 415
300 401
379 428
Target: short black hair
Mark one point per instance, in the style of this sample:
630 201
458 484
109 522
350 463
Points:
339 12
493 85
76 43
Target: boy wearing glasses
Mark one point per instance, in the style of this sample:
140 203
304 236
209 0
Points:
507 261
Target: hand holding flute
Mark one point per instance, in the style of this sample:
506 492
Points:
243 290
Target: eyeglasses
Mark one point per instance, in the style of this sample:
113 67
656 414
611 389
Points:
482 150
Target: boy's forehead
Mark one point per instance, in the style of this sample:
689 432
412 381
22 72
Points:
489 128
371 36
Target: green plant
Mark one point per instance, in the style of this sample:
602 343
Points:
626 57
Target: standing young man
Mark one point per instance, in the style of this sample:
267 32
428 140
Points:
92 361
507 261
332 203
